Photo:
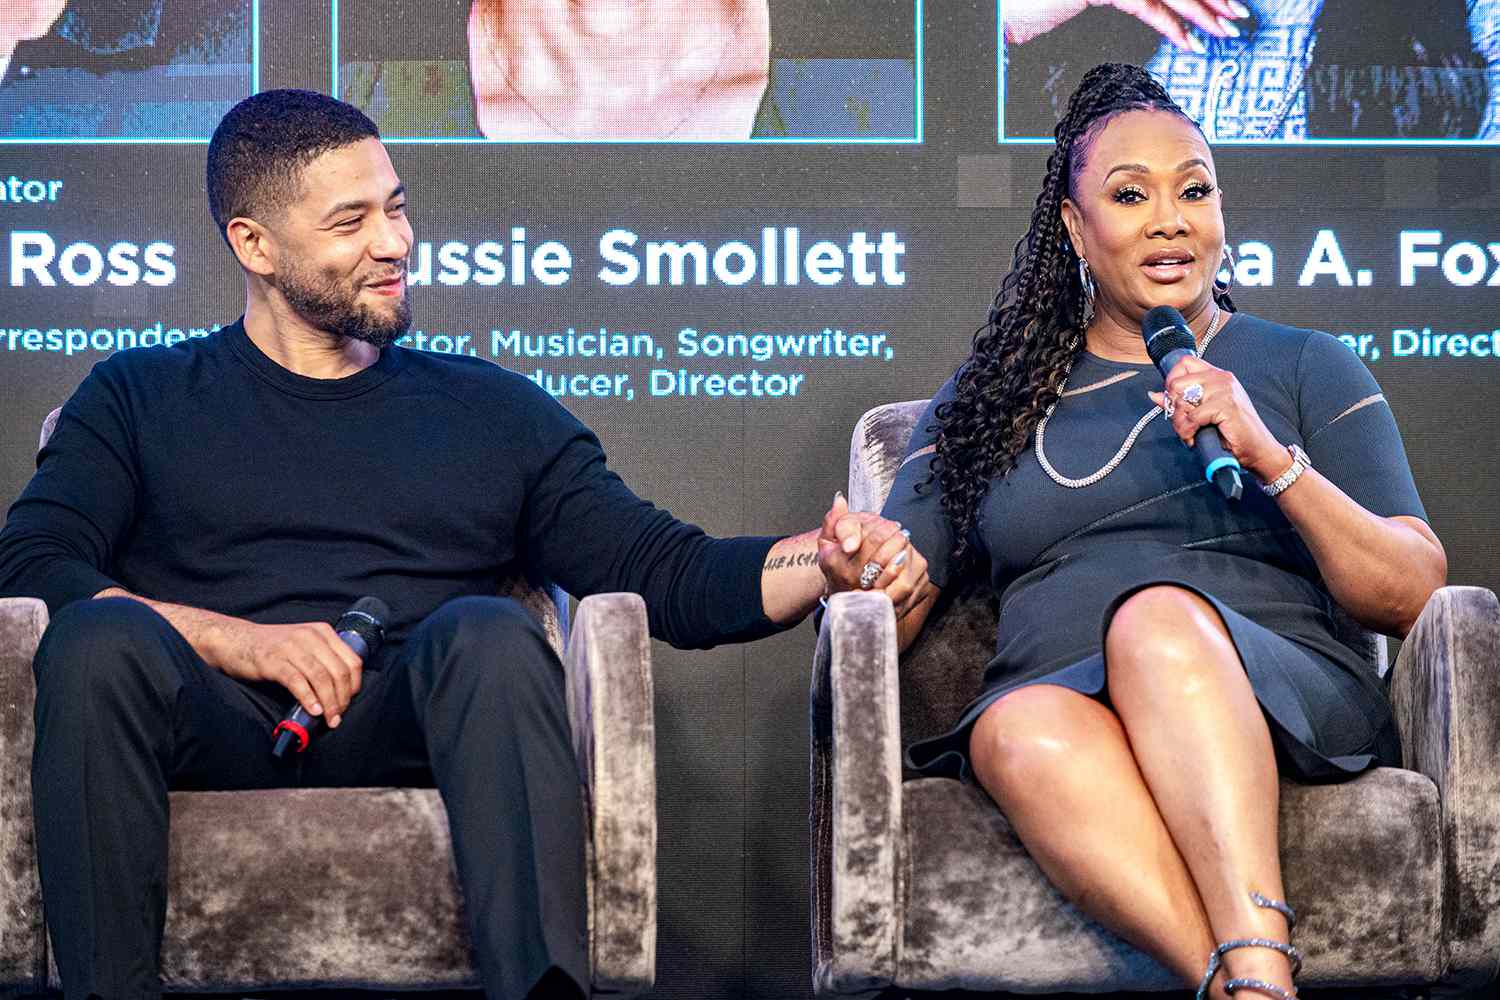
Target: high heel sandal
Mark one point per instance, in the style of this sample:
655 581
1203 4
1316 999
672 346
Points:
1216 960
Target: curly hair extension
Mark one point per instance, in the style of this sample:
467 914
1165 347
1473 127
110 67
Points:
1035 325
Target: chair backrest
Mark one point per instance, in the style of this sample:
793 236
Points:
940 672
548 602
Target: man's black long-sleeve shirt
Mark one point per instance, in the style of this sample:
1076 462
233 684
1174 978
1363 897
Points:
206 474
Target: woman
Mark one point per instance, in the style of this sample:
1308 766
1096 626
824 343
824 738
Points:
1275 69
1164 654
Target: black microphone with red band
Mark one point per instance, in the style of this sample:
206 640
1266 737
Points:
362 629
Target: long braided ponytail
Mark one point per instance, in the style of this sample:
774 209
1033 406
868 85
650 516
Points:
1034 329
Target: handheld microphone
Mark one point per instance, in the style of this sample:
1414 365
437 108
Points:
362 629
1168 341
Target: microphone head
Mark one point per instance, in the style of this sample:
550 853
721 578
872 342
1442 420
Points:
372 606
366 618
1166 331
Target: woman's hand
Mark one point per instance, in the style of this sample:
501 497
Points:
1026 19
1222 403
851 541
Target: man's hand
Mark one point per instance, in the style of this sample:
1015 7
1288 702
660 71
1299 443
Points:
849 541
308 659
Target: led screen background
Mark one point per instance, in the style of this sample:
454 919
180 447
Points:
1368 241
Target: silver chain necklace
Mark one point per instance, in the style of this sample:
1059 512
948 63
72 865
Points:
1135 432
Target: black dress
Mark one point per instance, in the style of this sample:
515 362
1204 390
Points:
1063 559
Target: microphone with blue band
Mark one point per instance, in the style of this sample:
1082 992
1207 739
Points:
362 629
1168 341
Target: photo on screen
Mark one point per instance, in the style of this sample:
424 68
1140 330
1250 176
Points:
1290 71
663 71
123 70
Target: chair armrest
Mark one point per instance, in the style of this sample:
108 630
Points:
875 451
856 796
1445 688
23 951
612 714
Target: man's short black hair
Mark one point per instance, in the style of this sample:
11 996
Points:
259 150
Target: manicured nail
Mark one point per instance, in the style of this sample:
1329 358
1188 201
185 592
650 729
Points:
900 559
1228 27
1196 44
317 709
1240 10
838 495
906 533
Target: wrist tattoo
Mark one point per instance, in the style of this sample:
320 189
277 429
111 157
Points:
795 561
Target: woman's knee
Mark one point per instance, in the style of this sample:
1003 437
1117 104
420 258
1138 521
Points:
1168 639
1035 735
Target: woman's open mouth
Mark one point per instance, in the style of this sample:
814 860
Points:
1169 265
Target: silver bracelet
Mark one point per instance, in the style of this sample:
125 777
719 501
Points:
1300 464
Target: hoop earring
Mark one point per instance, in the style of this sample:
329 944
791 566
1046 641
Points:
1086 282
1222 287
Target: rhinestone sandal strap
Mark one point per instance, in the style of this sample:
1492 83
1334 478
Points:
1259 985
1214 961
1277 905
1281 946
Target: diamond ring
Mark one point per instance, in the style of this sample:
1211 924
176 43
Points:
870 574
1193 395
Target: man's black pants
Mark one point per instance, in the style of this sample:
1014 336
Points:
472 702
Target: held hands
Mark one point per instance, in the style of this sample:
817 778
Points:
854 547
1221 402
307 659
1026 19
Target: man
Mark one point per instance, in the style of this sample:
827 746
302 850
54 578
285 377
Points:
203 511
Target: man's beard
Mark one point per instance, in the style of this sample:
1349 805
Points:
333 306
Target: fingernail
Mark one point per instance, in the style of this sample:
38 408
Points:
317 709
906 533
899 559
334 720
1240 10
838 495
1229 28
1196 44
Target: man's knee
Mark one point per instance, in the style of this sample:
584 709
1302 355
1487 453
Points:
103 647
492 637
480 623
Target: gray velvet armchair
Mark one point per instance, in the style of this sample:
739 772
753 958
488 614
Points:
920 884
384 910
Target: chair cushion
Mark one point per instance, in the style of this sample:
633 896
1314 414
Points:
1362 862
384 910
